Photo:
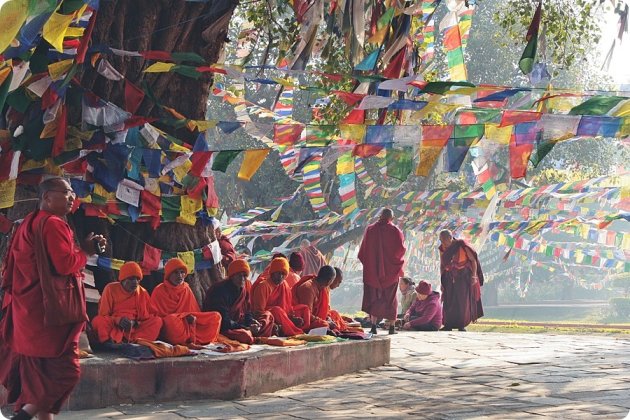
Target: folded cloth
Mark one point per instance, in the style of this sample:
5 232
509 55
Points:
161 349
279 342
131 351
315 338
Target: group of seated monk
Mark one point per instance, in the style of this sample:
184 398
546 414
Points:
233 307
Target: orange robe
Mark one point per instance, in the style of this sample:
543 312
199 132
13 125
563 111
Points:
266 296
173 304
117 303
292 279
312 302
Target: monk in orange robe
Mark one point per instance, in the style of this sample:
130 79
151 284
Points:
340 321
312 292
184 323
125 312
231 298
296 265
274 295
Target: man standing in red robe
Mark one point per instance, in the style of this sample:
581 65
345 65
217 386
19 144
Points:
461 278
382 254
313 258
40 363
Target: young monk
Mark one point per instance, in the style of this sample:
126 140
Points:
274 295
125 312
296 265
230 298
173 300
311 299
334 316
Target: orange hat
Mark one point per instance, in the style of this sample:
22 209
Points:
172 265
238 266
279 264
129 269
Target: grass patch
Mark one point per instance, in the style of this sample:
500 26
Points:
526 329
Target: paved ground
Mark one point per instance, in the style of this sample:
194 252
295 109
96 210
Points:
443 376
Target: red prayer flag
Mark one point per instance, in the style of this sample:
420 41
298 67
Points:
393 69
151 204
5 224
516 117
212 202
436 132
199 161
133 97
60 135
519 157
197 190
287 133
356 116
348 97
150 259
156 55
85 40
366 150
452 38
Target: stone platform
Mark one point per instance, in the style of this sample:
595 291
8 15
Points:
109 380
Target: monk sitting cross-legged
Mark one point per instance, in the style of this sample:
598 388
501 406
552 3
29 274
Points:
274 295
173 300
311 298
125 312
230 298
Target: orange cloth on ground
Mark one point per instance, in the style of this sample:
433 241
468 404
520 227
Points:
278 342
266 296
117 303
174 304
231 346
163 349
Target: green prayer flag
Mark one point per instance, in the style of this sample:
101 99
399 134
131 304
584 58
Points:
526 63
385 18
542 150
171 206
188 71
440 88
187 56
399 163
223 159
597 105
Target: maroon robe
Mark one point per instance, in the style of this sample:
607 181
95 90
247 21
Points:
382 254
40 364
313 260
460 297
227 251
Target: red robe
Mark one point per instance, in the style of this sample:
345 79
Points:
310 303
227 251
266 296
40 363
117 303
173 304
313 260
382 254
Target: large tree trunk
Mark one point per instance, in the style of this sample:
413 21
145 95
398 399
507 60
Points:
159 25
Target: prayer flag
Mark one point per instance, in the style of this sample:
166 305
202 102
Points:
223 159
150 259
519 156
287 133
252 161
55 29
12 15
369 62
598 105
526 63
456 149
133 97
399 163
189 259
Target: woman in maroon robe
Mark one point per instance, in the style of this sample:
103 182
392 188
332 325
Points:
461 278
382 254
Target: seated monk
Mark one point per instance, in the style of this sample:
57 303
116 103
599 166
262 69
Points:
173 300
312 292
265 274
273 294
125 312
340 321
230 298
296 265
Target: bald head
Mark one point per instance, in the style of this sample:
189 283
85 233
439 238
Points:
387 215
326 275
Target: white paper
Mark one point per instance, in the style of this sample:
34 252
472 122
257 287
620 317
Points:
318 331
216 252
127 193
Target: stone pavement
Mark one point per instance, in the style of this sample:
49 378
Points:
443 375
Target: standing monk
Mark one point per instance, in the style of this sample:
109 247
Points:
125 311
183 322
312 299
462 278
274 295
40 363
313 258
382 254
231 298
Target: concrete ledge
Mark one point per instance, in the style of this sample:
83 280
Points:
107 380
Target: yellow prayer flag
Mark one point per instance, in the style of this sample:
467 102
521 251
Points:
182 170
252 161
12 15
59 68
428 156
188 207
33 164
379 36
74 32
117 264
4 74
159 67
622 111
345 164
189 259
49 130
7 193
201 125
55 29
498 134
353 132
174 147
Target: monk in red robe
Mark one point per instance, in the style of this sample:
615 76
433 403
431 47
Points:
273 294
382 254
125 312
313 258
183 322
39 362
312 292
340 321
461 278
296 266
227 249
231 298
